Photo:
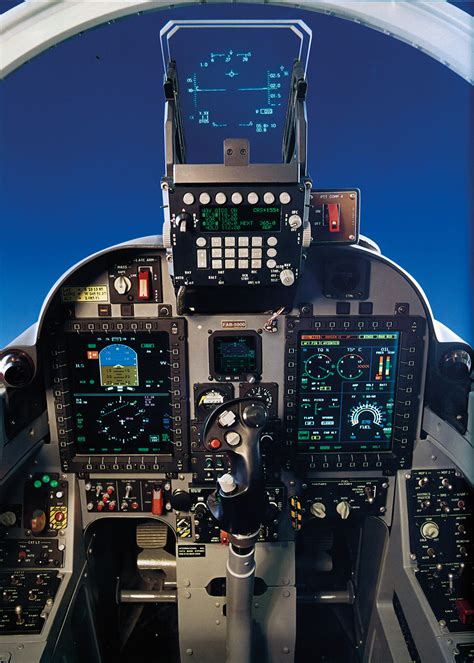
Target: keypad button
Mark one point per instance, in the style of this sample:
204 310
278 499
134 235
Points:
256 264
285 198
271 253
236 198
271 263
216 253
221 198
257 241
216 241
201 241
230 264
268 198
256 253
243 241
188 198
243 253
217 264
272 241
230 253
229 241
204 198
243 264
252 198
201 258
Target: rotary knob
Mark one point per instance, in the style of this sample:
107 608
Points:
295 221
122 285
184 222
287 277
318 510
167 235
430 530
343 508
255 415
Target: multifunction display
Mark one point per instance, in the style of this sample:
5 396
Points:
245 218
346 391
235 356
120 392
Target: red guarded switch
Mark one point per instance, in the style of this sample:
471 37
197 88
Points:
465 611
334 218
157 502
144 284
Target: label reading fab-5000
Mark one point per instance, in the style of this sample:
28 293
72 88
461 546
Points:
86 293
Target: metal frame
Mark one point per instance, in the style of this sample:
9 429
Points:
439 29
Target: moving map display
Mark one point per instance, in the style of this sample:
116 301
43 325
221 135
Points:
346 391
121 393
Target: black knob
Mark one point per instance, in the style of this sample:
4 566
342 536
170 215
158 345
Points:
16 369
184 222
255 415
181 501
456 364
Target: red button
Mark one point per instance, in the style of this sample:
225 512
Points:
134 505
144 284
100 506
215 443
112 506
59 517
110 490
105 498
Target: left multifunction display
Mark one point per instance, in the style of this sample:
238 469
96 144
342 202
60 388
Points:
120 395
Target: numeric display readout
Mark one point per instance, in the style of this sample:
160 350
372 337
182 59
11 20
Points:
245 218
346 391
120 399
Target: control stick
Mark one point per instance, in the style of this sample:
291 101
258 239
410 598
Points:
239 505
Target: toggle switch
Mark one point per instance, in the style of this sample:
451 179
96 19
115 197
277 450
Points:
332 217
144 284
157 502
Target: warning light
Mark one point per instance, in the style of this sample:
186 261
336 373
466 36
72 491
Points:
92 354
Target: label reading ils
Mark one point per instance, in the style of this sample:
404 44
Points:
85 293
198 550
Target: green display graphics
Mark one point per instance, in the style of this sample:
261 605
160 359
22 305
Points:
121 400
245 218
346 391
235 356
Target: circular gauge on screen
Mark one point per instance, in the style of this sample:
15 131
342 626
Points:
351 366
319 366
369 420
121 420
264 391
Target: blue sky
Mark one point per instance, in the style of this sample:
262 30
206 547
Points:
82 150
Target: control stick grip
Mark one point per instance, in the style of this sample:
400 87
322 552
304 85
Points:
240 502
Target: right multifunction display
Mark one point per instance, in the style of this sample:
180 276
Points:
352 391
346 385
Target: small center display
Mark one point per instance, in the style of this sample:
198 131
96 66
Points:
121 400
245 218
235 356
346 388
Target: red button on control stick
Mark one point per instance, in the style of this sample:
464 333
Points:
215 443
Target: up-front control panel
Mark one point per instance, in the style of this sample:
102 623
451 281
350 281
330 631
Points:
440 511
237 236
352 390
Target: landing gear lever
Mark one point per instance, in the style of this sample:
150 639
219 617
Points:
239 505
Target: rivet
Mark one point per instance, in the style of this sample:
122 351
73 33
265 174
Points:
187 595
286 593
412 556
218 621
186 582
286 650
285 581
189 652
218 605
257 605
407 476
